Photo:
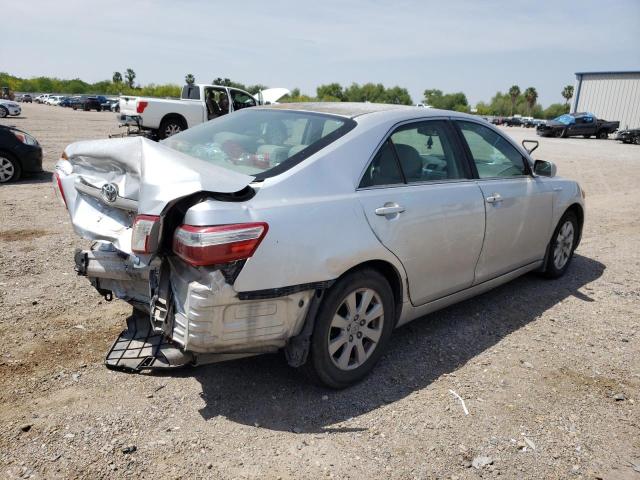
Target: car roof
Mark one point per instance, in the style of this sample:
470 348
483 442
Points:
355 109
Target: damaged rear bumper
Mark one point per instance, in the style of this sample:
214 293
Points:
196 308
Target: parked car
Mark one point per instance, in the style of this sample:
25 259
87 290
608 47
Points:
513 122
577 124
26 98
497 120
20 154
629 136
88 103
9 107
108 103
42 98
56 100
380 226
69 101
197 104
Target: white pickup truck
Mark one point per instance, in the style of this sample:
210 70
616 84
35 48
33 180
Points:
197 104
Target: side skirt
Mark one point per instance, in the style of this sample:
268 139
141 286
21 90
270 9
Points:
410 313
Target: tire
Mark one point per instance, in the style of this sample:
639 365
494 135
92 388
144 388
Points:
3 112
564 133
603 135
357 343
170 126
637 140
561 247
10 170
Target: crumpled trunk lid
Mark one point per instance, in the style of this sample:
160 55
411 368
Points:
107 182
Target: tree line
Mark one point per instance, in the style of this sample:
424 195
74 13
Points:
513 101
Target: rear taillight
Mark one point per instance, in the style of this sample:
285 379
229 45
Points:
218 244
57 188
141 106
146 234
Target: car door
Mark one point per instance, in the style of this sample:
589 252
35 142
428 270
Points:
518 205
420 199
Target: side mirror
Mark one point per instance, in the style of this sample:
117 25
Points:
544 168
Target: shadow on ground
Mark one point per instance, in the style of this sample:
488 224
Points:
263 390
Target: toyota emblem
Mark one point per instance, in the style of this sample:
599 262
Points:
110 192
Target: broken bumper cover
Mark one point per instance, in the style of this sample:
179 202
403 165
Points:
204 314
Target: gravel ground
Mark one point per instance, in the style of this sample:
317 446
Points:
549 370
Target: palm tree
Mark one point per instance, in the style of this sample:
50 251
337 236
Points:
117 77
130 76
567 93
530 95
190 79
514 93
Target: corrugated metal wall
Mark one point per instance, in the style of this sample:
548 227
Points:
611 96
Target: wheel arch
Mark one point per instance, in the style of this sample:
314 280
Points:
577 209
391 274
174 116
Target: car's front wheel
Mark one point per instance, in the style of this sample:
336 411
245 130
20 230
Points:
562 245
352 329
3 112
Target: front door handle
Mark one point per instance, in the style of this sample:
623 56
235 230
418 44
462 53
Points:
495 198
389 209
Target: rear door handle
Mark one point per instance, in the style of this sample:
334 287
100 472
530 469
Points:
495 198
389 209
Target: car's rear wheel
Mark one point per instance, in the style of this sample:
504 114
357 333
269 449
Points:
9 168
170 126
3 112
637 140
352 329
562 245
603 135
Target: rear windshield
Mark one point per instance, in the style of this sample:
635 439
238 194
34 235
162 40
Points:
260 142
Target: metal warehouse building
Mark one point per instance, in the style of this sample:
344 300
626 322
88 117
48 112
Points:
609 95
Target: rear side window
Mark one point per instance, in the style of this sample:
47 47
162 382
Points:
426 153
416 152
383 169
493 155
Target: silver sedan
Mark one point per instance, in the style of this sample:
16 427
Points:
315 229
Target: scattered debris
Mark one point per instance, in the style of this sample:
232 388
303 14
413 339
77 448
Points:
464 406
129 449
530 443
325 397
26 427
481 461
526 364
618 397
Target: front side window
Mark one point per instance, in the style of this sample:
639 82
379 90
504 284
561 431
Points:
492 154
241 100
260 142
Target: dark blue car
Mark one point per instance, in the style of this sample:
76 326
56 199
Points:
20 153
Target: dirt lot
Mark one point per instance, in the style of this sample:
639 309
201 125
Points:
549 370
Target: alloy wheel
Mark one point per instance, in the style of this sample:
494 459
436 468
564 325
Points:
356 329
564 245
172 129
7 170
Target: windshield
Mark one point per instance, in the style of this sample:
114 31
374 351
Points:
260 142
565 119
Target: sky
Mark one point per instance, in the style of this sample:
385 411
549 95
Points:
475 46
